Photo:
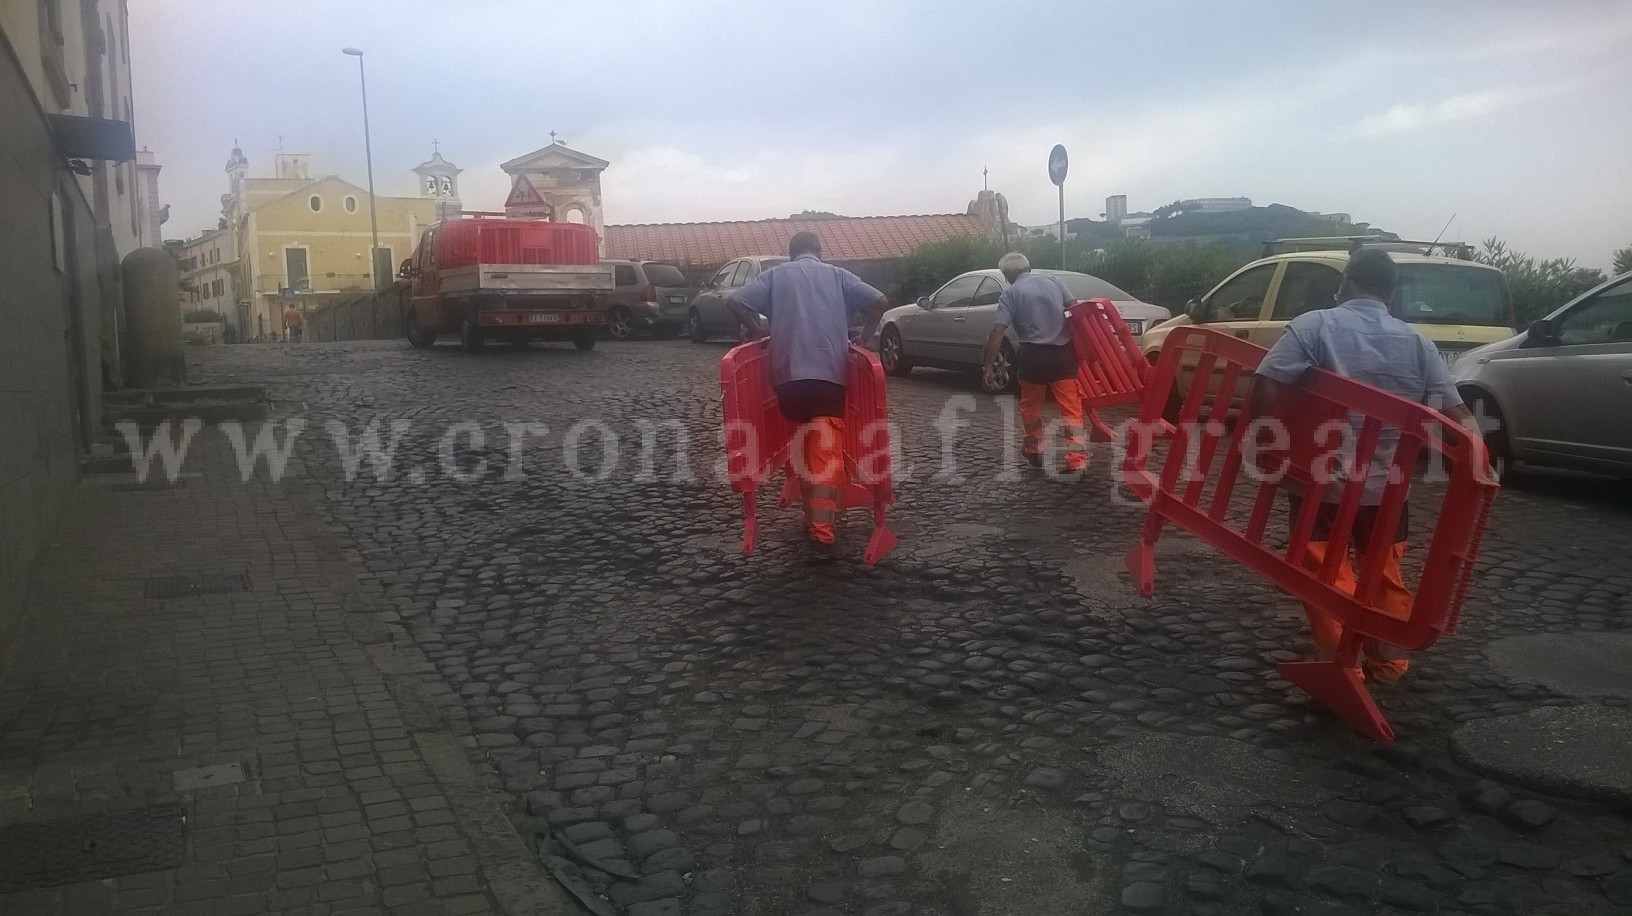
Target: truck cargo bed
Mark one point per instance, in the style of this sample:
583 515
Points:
526 278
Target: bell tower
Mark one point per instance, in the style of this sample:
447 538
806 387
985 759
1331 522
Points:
439 180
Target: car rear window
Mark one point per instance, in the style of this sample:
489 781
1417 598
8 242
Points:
1083 286
664 275
1447 294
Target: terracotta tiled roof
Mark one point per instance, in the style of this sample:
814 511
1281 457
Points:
851 238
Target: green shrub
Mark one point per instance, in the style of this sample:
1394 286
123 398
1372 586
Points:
1538 287
201 316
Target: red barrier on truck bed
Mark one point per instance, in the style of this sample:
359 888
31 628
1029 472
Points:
1111 370
464 242
758 440
1218 479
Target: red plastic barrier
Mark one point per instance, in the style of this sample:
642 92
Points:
758 440
1219 479
1111 370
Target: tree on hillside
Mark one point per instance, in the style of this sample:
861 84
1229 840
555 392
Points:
1538 287
1623 260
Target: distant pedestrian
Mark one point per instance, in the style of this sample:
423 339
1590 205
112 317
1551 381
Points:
1359 339
809 304
295 322
1034 305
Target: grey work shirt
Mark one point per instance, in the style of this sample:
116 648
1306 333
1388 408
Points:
1360 340
809 303
1035 307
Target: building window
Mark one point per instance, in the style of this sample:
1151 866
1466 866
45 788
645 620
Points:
351 204
316 203
295 268
447 186
218 287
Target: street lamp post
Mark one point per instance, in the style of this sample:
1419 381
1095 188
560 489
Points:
368 151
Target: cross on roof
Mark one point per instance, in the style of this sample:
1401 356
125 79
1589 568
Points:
553 140
436 147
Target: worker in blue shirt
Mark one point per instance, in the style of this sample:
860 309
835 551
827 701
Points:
1034 305
810 303
1360 340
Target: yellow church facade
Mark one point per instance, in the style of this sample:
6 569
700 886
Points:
305 241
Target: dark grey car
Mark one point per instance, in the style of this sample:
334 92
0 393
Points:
708 317
647 297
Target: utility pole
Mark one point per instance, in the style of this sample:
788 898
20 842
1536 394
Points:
368 152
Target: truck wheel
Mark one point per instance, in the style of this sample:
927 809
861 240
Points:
694 327
620 324
584 342
419 335
470 336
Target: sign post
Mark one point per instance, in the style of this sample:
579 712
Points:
1058 162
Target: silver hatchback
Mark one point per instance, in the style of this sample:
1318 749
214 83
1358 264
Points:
948 329
1559 394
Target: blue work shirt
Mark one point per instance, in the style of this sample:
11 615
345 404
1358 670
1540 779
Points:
1035 307
1360 340
809 303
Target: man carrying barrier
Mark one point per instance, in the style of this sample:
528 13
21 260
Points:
809 304
1359 339
1034 305
1340 448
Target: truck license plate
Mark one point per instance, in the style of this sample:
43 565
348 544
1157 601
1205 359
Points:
543 318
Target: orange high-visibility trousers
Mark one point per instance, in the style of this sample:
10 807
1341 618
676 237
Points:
1068 396
1380 661
821 475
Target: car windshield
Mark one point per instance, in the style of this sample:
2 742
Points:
1446 294
1082 286
664 275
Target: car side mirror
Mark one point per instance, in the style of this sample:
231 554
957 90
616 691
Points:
406 269
923 302
1542 331
1196 309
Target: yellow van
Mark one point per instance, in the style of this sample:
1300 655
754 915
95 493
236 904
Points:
1454 302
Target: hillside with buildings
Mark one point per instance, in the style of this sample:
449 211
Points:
1225 221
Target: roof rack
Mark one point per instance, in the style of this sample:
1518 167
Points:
1459 250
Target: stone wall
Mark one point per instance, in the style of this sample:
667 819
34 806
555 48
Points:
369 316
51 307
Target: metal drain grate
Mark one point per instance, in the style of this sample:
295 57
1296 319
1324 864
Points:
167 587
90 848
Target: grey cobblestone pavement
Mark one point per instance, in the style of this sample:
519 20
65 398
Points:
989 722
261 700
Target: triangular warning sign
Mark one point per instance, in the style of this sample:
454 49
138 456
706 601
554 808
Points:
523 194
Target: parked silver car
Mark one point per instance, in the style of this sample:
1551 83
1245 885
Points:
708 315
646 296
948 329
1560 394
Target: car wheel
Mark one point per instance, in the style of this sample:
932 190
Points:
1489 417
893 354
620 324
1003 372
584 341
694 327
419 335
470 336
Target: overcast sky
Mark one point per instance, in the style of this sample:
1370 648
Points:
1515 116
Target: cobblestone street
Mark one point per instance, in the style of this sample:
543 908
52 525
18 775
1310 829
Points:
991 721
